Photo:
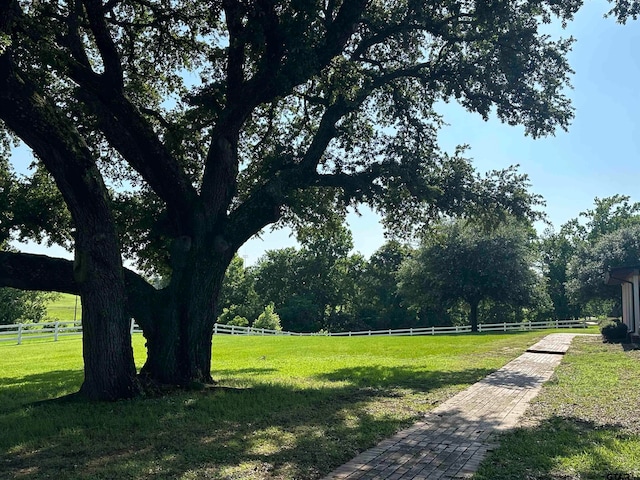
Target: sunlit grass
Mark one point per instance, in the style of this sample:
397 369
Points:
65 307
584 425
286 407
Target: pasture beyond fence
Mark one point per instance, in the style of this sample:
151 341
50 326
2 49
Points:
19 332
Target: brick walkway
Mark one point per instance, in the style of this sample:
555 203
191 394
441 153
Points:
453 438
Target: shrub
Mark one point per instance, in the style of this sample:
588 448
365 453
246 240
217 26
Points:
268 319
227 315
614 331
239 321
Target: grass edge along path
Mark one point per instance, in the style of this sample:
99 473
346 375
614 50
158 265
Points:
288 407
584 425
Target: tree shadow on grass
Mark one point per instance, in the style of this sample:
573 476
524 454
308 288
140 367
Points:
382 377
270 430
21 391
563 448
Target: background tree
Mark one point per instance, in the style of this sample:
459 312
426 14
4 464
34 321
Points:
380 303
557 250
608 215
18 306
463 261
313 287
238 296
174 132
580 249
586 270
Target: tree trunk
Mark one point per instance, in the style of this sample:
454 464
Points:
179 344
109 369
473 315
37 120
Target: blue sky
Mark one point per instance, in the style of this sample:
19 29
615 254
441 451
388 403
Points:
598 157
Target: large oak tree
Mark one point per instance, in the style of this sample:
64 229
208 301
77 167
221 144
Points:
174 131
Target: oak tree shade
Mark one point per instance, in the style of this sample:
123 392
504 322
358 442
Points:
174 132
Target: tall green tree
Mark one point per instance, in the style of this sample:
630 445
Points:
18 306
557 249
608 215
580 249
380 302
586 270
174 132
315 286
463 261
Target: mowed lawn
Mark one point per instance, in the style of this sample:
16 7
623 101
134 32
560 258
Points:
65 307
286 407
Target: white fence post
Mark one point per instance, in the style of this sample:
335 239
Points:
133 323
215 328
19 333
411 332
480 327
504 326
56 327
433 330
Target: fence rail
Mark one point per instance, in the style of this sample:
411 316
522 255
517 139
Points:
486 327
19 332
30 331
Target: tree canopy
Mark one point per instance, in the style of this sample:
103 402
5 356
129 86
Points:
170 133
463 261
586 270
576 257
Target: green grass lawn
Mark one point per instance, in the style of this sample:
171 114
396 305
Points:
585 424
288 407
64 308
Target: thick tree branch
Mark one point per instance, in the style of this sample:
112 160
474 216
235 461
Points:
59 145
218 186
262 208
130 133
106 46
236 56
124 125
37 272
28 271
326 132
354 185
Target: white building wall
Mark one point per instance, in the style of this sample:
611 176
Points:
627 305
636 303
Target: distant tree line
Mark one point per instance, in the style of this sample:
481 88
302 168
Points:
460 272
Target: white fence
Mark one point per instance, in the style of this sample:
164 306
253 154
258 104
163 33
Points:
23 331
17 333
486 327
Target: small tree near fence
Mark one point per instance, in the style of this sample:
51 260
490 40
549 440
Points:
268 319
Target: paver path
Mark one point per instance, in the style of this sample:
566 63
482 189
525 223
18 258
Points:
453 438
